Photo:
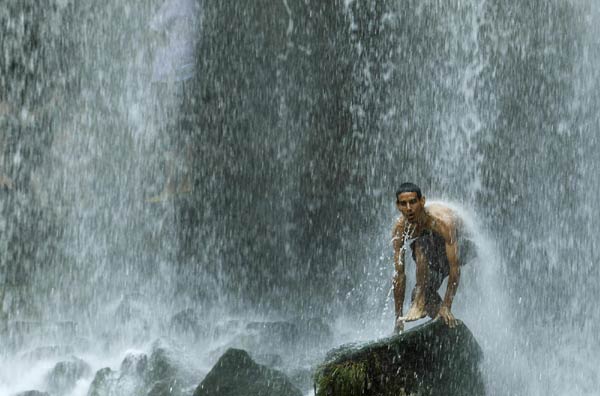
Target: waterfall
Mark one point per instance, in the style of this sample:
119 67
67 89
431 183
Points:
254 179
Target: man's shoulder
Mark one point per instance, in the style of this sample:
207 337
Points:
441 214
443 220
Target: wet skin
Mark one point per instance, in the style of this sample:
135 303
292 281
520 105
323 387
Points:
416 218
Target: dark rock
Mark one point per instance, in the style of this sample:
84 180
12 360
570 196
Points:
129 380
63 377
32 393
131 376
237 374
134 364
168 368
169 387
102 383
161 365
430 359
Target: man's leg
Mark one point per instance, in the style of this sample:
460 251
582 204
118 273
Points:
433 301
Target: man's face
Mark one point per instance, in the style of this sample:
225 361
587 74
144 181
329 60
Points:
410 205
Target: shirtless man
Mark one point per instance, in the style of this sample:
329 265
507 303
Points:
432 236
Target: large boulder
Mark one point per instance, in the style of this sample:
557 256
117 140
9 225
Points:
163 374
235 373
129 380
431 359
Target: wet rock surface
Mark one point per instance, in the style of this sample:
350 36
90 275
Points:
102 383
430 359
64 376
159 374
235 373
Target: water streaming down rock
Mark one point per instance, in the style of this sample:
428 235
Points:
303 117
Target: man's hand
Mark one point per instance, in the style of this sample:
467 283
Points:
445 314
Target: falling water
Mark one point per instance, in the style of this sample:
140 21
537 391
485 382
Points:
260 189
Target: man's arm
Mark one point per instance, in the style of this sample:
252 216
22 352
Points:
399 275
453 276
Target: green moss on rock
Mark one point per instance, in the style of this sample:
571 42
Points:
348 378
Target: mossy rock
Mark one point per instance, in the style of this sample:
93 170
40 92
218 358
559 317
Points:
430 359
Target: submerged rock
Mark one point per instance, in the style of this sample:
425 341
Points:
236 374
430 359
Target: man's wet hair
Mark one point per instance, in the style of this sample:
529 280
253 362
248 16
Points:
408 187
